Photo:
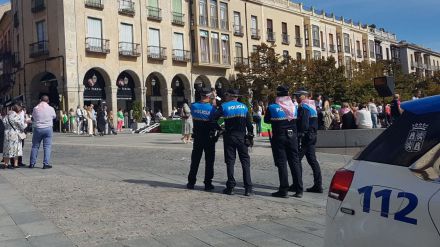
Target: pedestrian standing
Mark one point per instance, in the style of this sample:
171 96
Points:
284 142
187 123
327 115
100 120
204 139
79 120
12 143
347 117
237 121
257 113
373 111
363 118
307 129
43 116
89 117
65 121
93 116
111 124
396 111
120 120
72 121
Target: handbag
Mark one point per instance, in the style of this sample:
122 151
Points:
21 135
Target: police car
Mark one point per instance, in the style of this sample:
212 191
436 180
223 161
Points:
389 194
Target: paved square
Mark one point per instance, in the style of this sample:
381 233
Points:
129 190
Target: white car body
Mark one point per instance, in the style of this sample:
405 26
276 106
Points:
390 194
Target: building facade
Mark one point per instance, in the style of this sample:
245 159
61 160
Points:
157 51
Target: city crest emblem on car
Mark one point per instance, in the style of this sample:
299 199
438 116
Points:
416 137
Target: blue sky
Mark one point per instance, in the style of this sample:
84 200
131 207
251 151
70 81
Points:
412 20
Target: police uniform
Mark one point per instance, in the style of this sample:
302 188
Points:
203 126
237 121
307 124
284 144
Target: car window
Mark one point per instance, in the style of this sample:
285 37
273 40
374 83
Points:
405 141
428 167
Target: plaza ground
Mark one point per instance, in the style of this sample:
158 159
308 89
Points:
129 190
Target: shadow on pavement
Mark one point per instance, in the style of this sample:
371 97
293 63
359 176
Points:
217 190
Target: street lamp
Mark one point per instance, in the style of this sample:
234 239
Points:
177 83
125 81
153 82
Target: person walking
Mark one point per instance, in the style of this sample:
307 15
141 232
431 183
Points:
307 129
204 139
237 121
120 120
43 116
257 114
187 123
13 136
363 118
284 142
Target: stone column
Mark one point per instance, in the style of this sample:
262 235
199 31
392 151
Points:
167 102
112 102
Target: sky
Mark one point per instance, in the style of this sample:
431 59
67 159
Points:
415 21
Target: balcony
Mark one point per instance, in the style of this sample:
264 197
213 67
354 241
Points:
203 21
97 45
359 53
255 34
271 36
372 56
226 59
316 43
285 39
241 62
298 42
379 56
38 49
128 49
154 13
38 5
323 47
238 30
95 4
178 19
214 22
224 25
126 7
157 52
216 57
181 55
332 48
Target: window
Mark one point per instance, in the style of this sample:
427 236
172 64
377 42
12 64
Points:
315 35
298 56
254 26
237 23
238 50
41 31
316 55
297 35
126 37
371 44
322 40
306 35
225 49
224 22
254 49
203 21
388 53
346 43
177 6
284 33
270 33
154 42
358 49
178 45
204 46
153 3
348 66
94 34
215 48
213 13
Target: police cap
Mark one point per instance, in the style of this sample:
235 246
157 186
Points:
205 91
233 92
301 92
282 91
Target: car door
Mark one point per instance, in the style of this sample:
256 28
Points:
389 201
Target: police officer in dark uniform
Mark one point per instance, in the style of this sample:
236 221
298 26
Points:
285 142
204 141
307 131
237 121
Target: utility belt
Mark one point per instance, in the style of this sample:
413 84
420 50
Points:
284 132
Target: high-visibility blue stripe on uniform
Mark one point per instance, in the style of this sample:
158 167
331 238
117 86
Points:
234 109
202 111
313 112
277 113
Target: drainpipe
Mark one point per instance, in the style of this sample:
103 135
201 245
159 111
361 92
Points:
143 85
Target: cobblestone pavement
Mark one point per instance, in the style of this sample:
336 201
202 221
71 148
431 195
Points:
129 190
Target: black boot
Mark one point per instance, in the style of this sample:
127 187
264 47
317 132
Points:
315 189
190 186
228 191
280 194
248 192
298 195
292 188
209 187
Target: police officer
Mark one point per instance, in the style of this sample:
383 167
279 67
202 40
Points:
202 112
237 121
307 124
282 116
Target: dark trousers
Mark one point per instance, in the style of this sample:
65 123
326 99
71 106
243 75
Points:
308 149
202 144
285 150
235 144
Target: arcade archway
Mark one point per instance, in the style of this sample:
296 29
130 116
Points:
201 82
181 90
94 83
221 86
126 93
156 92
46 84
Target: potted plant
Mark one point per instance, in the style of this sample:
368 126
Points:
137 115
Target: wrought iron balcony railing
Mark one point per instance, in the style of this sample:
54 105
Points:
96 4
38 49
129 49
181 55
97 45
270 36
255 34
126 7
157 52
178 19
154 13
